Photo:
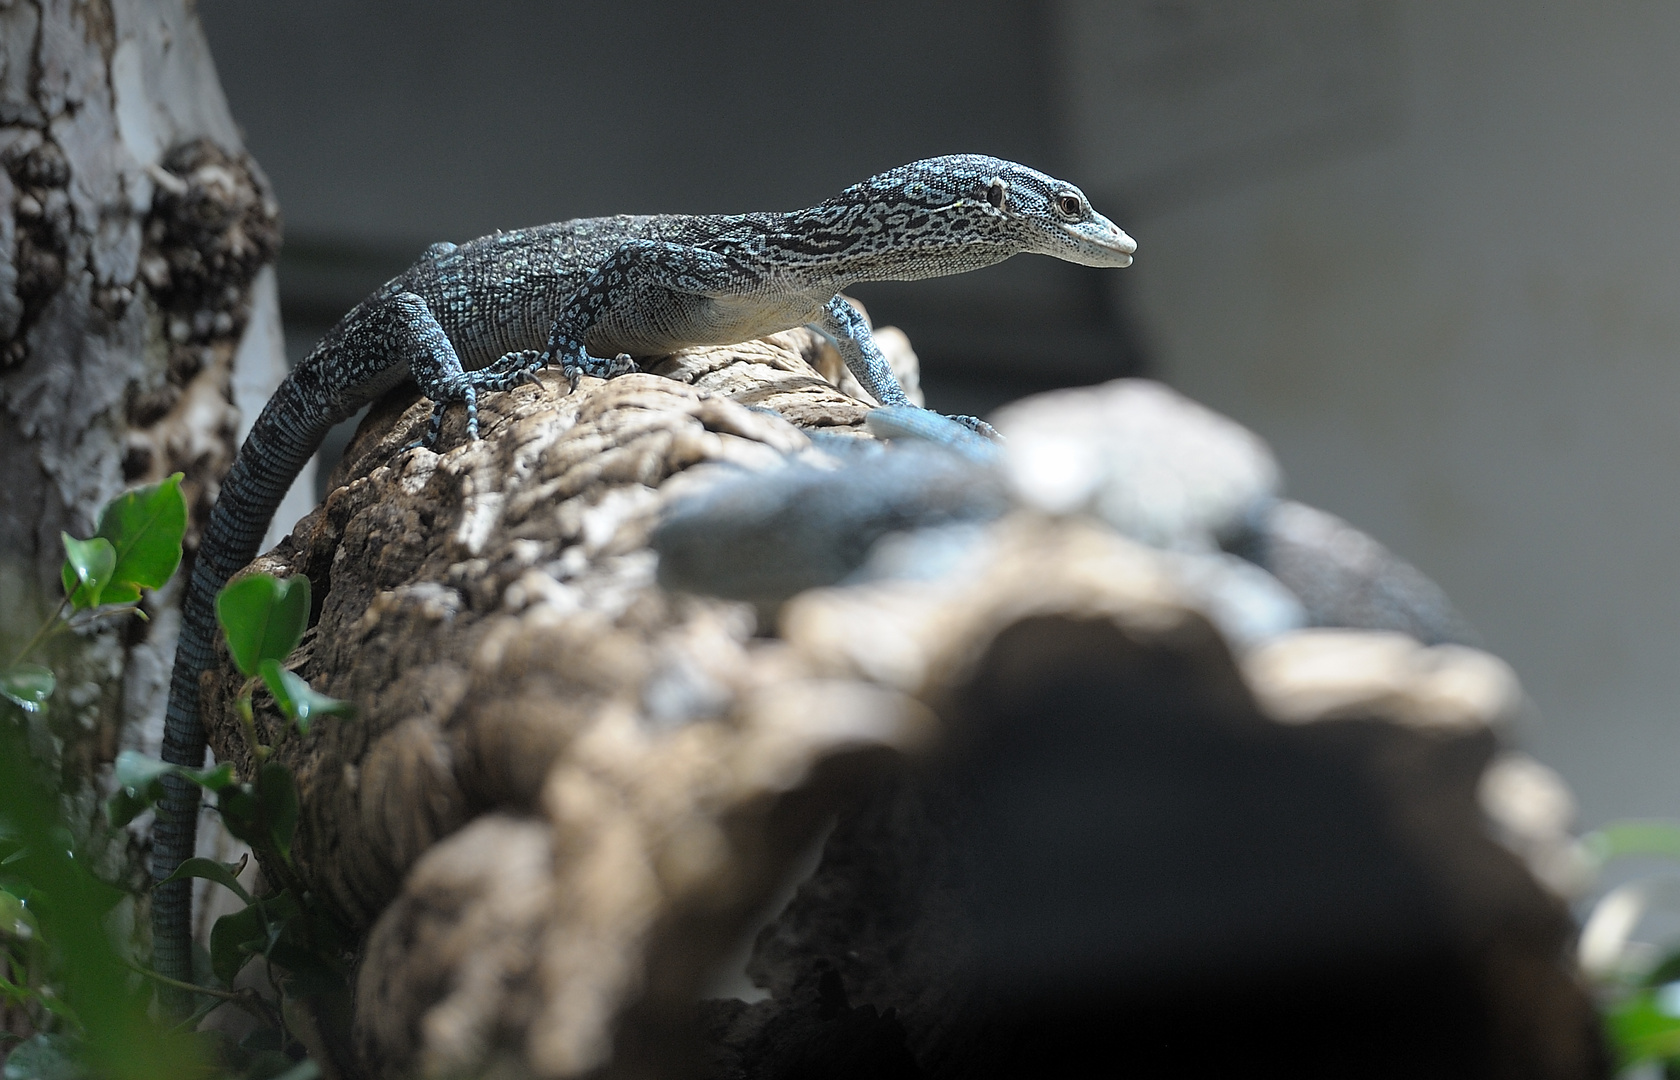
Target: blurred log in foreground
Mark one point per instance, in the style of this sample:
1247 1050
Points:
1099 794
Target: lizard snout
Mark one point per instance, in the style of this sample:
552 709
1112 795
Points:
1097 241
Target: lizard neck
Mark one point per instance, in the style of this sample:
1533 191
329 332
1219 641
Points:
848 242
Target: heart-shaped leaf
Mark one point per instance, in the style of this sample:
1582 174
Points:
140 783
237 804
28 685
145 527
212 779
297 699
249 932
263 617
234 939
137 772
224 874
87 569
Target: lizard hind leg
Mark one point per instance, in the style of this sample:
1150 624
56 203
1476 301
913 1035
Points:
414 333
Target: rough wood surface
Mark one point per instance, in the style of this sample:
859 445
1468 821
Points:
609 761
1061 799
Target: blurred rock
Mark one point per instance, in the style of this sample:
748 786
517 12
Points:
1532 812
767 536
1344 577
1152 463
1135 850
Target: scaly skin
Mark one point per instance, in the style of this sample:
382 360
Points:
589 295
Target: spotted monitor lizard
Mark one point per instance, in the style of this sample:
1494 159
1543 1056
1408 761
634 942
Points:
484 315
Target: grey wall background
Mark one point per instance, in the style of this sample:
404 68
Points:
1431 251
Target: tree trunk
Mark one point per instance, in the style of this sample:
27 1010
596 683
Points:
138 322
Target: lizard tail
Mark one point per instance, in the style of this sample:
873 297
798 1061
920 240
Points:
284 437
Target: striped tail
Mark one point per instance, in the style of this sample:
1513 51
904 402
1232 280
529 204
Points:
280 443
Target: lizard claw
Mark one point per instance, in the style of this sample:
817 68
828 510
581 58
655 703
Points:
434 430
622 364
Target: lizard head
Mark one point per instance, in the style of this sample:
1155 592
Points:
1053 217
987 202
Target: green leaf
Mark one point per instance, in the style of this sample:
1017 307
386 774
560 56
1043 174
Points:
224 874
123 807
235 939
212 779
145 527
297 699
263 617
1620 839
277 794
137 772
1643 1029
16 920
240 814
249 932
87 569
28 685
140 783
15 994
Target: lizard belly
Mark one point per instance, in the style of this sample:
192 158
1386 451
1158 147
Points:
662 321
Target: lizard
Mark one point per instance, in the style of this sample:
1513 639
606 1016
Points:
589 295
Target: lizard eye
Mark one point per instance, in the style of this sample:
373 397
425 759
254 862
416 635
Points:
1070 205
996 191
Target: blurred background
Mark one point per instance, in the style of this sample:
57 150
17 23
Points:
1431 252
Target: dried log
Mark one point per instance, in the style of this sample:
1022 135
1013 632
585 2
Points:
1069 817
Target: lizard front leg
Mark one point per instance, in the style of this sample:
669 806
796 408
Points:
850 333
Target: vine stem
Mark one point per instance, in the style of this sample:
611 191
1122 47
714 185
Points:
54 621
159 977
240 998
248 721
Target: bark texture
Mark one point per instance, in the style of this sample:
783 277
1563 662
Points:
132 228
1068 818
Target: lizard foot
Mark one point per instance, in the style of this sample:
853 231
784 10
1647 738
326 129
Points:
434 430
508 371
622 364
955 433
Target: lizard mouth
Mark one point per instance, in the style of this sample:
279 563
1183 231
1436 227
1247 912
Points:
1100 242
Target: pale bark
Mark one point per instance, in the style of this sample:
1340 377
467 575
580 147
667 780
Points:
132 225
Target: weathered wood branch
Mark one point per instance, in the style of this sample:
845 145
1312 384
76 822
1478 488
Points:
1065 807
